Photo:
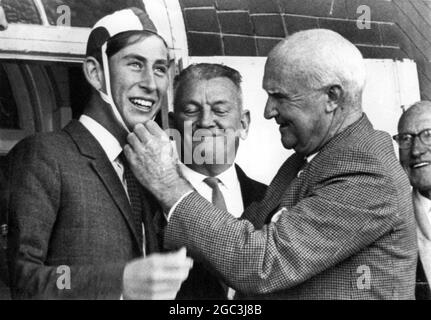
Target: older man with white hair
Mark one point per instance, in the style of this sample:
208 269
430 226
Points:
339 218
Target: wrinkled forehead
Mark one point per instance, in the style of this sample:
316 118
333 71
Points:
221 88
283 74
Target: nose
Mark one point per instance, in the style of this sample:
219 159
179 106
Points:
206 118
270 110
148 80
417 148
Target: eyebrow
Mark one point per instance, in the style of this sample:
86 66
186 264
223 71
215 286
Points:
143 59
224 102
191 102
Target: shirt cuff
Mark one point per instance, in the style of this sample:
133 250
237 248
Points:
176 204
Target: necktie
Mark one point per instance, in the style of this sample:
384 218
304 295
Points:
217 196
134 197
218 201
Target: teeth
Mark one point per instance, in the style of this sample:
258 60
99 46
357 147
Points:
142 103
419 165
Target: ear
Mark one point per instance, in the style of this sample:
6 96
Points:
335 96
245 124
93 72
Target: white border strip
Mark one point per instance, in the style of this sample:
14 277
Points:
35 39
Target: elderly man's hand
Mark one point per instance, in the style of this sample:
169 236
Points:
151 158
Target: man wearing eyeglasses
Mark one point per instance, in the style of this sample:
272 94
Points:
414 141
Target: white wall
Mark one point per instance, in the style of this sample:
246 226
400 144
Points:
390 84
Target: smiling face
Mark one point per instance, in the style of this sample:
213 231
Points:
139 79
297 109
213 108
417 159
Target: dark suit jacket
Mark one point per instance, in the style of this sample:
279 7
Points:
203 282
348 231
68 207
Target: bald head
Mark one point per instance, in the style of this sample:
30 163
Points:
416 111
314 80
321 57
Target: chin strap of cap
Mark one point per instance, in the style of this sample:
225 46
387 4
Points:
107 97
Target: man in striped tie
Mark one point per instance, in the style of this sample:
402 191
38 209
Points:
81 227
208 106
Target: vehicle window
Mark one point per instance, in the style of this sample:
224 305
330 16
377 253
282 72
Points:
21 11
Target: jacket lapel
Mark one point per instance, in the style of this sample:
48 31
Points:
248 192
261 212
282 182
99 162
295 187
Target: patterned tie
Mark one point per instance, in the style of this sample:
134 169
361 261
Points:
218 201
134 197
217 196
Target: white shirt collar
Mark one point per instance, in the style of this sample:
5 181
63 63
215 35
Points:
424 202
229 186
309 158
228 178
108 142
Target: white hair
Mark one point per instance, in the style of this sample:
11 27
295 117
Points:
322 57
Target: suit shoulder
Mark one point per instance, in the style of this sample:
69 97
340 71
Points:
50 148
45 142
362 145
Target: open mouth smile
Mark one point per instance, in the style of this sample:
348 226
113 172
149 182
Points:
142 104
419 165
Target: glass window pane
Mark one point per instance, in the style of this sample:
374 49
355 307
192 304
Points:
21 11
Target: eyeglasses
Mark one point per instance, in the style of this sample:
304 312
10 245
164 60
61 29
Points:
405 140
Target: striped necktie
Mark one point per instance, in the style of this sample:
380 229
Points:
134 197
217 196
219 202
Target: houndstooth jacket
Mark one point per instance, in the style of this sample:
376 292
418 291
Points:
348 230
